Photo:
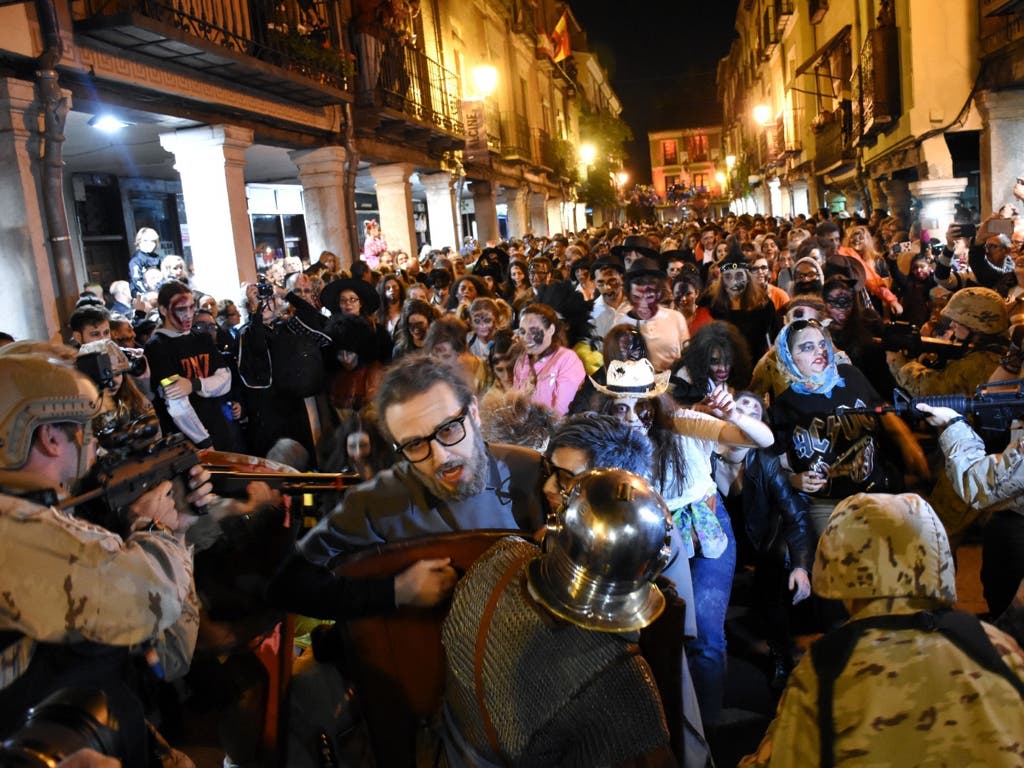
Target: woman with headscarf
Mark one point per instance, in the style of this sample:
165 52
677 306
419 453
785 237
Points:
829 454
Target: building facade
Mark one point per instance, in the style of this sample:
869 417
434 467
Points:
245 123
689 171
902 105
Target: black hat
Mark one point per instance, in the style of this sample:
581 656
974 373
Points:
609 262
439 276
368 299
637 243
645 267
677 255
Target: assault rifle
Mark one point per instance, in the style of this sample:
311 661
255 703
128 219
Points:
993 406
903 336
129 471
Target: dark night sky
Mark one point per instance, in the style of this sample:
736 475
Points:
661 58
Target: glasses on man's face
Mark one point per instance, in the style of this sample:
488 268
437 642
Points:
351 301
448 434
563 477
759 268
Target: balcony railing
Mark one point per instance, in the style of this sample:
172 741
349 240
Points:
544 156
833 142
515 138
417 86
252 43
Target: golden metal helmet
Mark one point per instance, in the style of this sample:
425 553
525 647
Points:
35 390
605 547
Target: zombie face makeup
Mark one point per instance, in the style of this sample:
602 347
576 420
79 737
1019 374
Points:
643 295
735 281
537 335
810 351
417 326
638 414
483 325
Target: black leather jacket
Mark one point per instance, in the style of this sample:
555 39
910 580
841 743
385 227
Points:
772 507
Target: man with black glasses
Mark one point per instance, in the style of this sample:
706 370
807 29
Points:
447 479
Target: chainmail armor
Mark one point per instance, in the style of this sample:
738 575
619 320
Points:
557 694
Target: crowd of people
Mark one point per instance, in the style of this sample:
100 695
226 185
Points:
737 368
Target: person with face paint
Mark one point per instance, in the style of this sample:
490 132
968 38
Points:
194 371
740 300
772 533
549 371
391 290
716 355
683 442
411 331
486 317
852 328
832 456
664 329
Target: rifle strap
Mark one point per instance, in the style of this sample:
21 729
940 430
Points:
831 654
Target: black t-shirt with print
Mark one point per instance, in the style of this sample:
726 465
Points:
815 435
192 356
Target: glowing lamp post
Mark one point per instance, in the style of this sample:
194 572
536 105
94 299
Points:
762 114
485 80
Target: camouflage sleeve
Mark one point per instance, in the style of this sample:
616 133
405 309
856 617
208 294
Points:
982 480
792 737
956 377
177 643
68 580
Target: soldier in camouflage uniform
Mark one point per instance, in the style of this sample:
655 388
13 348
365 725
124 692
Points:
977 316
905 696
76 597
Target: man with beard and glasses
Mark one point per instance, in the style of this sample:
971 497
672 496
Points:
447 479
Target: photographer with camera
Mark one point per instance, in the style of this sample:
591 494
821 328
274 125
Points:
81 601
989 262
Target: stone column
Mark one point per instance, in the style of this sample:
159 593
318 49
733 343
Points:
938 202
485 208
27 278
441 213
538 213
897 196
1001 139
211 163
518 211
394 199
322 173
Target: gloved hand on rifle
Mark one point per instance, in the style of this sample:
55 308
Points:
937 415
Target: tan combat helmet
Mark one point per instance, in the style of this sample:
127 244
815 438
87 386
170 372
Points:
35 390
883 545
980 309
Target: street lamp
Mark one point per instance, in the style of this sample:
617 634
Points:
622 178
588 153
730 162
762 114
485 79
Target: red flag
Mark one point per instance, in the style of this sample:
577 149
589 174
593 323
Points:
560 38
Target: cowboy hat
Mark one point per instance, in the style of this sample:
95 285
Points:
632 378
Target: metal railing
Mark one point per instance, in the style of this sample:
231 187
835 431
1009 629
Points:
303 38
419 87
515 137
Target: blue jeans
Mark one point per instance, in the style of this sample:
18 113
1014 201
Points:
712 584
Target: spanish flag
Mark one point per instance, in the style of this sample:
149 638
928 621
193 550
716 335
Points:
560 38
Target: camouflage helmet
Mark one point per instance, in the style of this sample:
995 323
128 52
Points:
980 309
883 545
36 390
604 548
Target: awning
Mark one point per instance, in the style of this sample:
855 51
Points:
823 51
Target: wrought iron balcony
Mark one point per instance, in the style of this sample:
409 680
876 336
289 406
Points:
292 52
545 156
515 138
413 88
